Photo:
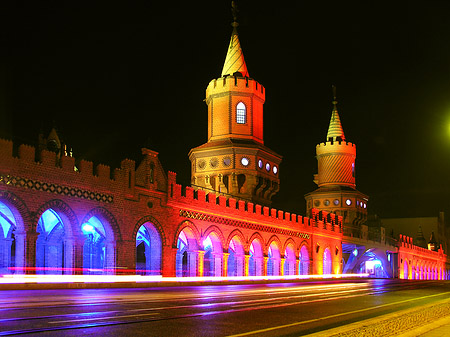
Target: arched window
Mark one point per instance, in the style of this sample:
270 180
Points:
241 113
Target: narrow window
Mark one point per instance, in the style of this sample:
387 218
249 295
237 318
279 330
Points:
241 113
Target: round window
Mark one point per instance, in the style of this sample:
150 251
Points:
226 161
326 202
214 162
260 163
201 164
267 167
348 202
336 202
275 169
245 161
316 203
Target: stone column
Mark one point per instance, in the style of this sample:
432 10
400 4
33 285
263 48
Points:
297 266
200 265
225 264
30 252
20 263
266 260
246 259
282 262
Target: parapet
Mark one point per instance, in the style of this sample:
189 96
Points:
339 147
22 163
202 202
235 83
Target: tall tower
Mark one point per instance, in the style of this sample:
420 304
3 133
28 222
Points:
335 178
234 161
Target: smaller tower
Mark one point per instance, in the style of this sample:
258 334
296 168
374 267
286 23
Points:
335 178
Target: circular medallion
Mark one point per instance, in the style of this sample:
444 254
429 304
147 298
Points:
275 169
336 202
213 162
226 161
201 164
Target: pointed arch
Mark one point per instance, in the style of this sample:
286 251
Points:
149 243
186 224
155 223
241 237
217 231
113 229
66 213
99 250
290 257
14 220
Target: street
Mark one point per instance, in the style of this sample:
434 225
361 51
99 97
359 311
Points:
296 308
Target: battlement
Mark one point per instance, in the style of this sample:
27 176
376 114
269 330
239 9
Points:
235 83
339 146
407 242
23 163
199 200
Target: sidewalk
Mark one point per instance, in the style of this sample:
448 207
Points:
431 320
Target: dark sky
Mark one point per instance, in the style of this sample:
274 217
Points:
115 79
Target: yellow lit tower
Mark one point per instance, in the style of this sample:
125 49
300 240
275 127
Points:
335 178
234 162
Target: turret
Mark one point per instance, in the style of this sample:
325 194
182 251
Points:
335 177
234 161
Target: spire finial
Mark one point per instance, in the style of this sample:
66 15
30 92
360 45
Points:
234 61
234 12
335 132
333 87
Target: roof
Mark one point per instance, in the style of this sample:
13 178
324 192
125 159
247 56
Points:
234 61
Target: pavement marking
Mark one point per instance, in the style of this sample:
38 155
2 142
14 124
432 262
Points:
254 332
107 317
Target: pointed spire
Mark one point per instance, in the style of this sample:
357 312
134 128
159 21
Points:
234 61
335 131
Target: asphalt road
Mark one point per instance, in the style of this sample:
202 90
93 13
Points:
280 309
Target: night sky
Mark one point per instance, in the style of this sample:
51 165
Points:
116 79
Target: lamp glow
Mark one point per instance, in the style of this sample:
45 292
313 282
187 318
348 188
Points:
88 228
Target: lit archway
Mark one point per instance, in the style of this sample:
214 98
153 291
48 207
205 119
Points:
7 240
95 247
52 250
148 250
303 264
289 260
212 259
256 258
187 254
273 261
235 257
327 262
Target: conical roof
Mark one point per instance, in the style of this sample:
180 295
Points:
234 61
335 131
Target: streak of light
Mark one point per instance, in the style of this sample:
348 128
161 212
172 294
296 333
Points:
31 278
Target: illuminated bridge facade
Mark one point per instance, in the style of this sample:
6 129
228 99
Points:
56 219
60 218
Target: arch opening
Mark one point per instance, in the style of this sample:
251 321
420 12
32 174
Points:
303 264
7 240
255 260
187 254
327 262
148 250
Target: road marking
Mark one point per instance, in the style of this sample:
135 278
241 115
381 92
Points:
254 332
107 317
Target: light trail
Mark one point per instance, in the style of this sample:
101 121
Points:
33 278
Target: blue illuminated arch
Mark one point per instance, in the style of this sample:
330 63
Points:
50 244
7 243
148 250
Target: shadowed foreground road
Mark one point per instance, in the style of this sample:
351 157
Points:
278 309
